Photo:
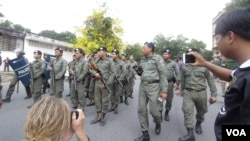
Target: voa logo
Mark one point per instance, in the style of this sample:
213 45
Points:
236 132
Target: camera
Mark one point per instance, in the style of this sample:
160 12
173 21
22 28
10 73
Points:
187 58
77 114
138 69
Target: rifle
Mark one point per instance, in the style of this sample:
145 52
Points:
52 74
93 66
74 77
119 82
17 87
31 75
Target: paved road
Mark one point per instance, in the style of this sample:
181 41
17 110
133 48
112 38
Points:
121 127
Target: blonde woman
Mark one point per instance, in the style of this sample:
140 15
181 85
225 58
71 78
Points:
50 120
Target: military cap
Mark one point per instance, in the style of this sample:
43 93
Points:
124 54
102 49
60 49
38 52
115 51
166 51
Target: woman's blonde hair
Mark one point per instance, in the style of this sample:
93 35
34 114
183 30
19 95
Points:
47 119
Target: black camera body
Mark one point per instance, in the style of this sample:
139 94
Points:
188 58
76 112
138 69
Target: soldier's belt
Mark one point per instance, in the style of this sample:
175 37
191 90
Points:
150 82
194 91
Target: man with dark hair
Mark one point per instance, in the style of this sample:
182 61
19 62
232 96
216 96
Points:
116 89
37 69
152 90
126 80
57 68
194 92
233 40
78 72
173 76
106 67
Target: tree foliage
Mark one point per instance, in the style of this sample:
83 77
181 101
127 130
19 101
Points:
63 36
100 30
136 50
177 45
237 3
11 25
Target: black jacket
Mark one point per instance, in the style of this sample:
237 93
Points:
237 102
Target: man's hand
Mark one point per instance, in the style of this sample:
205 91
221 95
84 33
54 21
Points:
50 68
97 75
212 99
1 103
164 96
199 60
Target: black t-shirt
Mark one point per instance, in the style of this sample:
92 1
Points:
237 102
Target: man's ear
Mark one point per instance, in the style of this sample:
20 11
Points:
230 37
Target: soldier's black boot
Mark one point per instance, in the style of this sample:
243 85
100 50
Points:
112 108
131 95
121 99
126 101
91 103
189 136
28 92
115 110
97 119
198 128
9 93
145 137
157 128
166 116
87 95
103 120
7 99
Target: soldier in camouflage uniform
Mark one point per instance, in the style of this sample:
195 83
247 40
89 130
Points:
70 65
15 79
78 72
152 90
193 90
88 77
37 69
116 89
132 80
126 79
106 66
92 81
173 76
57 68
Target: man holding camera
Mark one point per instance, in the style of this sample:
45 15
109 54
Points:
153 86
173 76
193 90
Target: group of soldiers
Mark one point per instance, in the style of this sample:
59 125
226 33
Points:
106 79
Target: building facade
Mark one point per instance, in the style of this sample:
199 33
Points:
11 39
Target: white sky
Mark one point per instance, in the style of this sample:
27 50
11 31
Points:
141 20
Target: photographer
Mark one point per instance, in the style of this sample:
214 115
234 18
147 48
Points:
193 90
233 40
50 120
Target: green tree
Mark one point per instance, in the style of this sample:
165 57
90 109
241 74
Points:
7 24
100 30
136 50
237 3
63 36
